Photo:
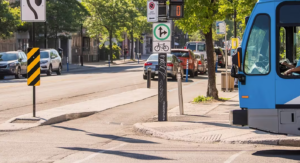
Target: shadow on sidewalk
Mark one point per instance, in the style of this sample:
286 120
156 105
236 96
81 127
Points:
217 124
138 156
287 154
112 137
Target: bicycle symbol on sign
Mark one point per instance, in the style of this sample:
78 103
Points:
161 46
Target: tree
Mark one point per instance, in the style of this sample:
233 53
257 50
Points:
109 17
138 21
9 19
202 14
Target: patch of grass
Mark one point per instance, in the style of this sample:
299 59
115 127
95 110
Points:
224 99
202 99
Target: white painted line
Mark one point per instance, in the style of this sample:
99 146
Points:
233 157
95 154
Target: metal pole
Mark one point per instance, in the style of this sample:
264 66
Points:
81 46
45 35
181 111
226 61
187 71
149 77
67 64
33 45
162 87
108 60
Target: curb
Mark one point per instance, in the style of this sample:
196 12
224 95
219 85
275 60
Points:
138 127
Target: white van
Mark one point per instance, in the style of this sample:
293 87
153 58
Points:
197 46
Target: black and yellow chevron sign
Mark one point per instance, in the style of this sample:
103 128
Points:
33 67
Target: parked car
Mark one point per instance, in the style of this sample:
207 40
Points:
197 46
184 55
13 63
173 64
202 64
220 56
50 62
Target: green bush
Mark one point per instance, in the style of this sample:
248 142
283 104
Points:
202 99
116 52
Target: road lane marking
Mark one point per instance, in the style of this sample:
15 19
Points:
233 157
95 154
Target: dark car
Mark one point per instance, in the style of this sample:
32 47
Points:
13 63
173 64
220 56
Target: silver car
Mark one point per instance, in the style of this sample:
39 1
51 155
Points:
173 65
202 64
50 62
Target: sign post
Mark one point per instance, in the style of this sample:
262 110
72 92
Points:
33 11
162 46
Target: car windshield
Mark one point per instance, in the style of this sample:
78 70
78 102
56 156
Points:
201 47
192 47
8 56
154 57
181 54
44 54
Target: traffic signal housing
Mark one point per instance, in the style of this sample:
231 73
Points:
176 9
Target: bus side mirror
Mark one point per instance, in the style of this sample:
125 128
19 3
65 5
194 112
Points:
237 58
246 20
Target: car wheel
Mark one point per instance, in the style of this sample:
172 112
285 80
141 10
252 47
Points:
18 74
49 72
1 77
192 73
24 76
58 72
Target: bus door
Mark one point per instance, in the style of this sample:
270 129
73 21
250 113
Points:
258 92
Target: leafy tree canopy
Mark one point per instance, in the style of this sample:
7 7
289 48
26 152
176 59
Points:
9 19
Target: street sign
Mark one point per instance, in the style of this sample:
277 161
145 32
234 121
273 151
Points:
33 10
162 47
221 27
33 67
234 43
152 11
161 32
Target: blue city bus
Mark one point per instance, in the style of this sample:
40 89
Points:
269 69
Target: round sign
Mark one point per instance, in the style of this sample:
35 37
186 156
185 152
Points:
162 32
151 5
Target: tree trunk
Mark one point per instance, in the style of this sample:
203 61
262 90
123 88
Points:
110 46
211 88
132 42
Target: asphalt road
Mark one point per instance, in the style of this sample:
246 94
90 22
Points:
108 136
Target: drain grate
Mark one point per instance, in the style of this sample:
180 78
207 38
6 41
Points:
25 121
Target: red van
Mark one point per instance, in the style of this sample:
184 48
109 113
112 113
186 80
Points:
184 55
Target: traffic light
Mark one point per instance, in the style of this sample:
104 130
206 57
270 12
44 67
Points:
176 9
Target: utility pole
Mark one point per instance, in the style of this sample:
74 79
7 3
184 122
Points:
234 18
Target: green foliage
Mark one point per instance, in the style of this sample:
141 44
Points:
9 19
202 99
116 52
223 99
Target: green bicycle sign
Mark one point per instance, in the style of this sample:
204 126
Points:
161 32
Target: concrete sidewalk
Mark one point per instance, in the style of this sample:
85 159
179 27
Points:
209 123
88 65
77 110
